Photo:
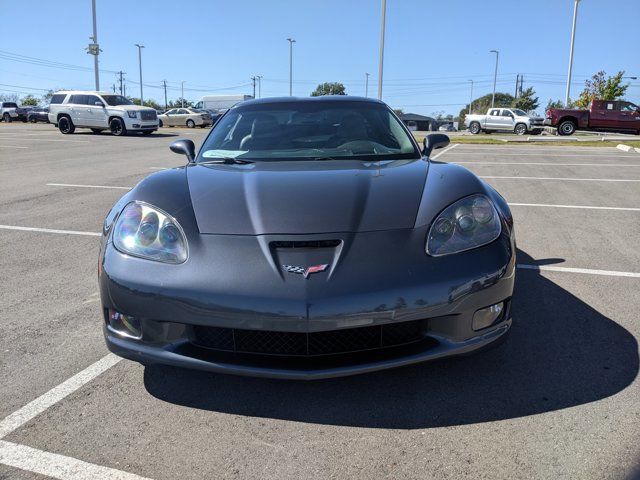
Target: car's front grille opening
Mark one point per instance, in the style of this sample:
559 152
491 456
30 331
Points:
306 244
309 344
148 115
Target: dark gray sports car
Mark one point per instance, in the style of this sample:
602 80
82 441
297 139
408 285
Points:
308 238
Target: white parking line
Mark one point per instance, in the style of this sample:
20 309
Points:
587 207
553 164
57 466
53 396
11 146
445 151
565 179
49 230
49 140
588 271
86 186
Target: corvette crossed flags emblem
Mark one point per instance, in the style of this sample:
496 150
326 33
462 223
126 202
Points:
305 271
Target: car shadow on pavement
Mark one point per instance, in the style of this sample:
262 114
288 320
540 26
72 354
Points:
561 353
129 135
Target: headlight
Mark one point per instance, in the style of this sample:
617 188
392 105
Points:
148 232
132 114
466 224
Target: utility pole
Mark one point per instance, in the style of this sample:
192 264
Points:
182 94
120 73
573 37
253 80
93 48
114 88
517 82
140 47
291 42
471 98
495 76
366 84
259 77
381 53
521 82
164 83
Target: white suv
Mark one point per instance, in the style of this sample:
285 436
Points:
100 111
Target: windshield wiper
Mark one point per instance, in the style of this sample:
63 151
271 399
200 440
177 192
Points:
227 161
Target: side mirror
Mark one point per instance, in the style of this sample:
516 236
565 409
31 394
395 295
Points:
434 141
186 147
98 104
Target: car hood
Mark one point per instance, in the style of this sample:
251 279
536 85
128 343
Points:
128 107
306 197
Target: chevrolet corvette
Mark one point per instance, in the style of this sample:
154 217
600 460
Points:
307 238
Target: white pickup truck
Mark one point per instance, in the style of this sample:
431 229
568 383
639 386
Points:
504 120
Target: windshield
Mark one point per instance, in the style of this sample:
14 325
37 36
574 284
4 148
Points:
115 100
309 130
518 112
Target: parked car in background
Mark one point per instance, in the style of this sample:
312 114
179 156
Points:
603 115
447 128
190 117
504 120
100 111
8 111
38 114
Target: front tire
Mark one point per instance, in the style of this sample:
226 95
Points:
6 118
116 125
191 124
474 128
66 126
33 120
160 123
520 129
566 127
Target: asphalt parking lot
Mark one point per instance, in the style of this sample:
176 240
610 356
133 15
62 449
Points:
559 399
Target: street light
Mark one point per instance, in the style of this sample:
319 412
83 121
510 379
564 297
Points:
291 42
381 59
366 84
140 47
471 98
573 37
259 77
495 76
94 48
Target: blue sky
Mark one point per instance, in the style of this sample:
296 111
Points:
432 47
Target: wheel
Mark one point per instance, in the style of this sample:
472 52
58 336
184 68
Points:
191 123
160 123
6 117
66 126
474 128
147 132
33 120
566 127
116 125
97 130
520 129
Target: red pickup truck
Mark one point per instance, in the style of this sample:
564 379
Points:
606 115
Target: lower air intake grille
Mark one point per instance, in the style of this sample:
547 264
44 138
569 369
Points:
309 344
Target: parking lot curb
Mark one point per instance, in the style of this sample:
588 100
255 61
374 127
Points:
625 148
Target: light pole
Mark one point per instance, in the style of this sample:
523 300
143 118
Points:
495 76
94 48
182 94
291 42
140 47
471 98
259 77
366 84
573 37
381 59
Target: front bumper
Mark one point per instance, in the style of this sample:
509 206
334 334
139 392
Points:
547 122
137 125
174 301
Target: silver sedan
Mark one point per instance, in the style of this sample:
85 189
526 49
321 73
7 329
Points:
190 117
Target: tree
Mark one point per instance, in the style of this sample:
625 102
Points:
29 100
147 103
526 101
601 87
554 104
178 103
482 104
11 97
398 111
329 88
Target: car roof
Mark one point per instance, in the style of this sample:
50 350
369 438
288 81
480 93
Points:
322 98
85 92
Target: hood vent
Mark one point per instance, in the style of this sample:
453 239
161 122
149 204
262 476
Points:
306 244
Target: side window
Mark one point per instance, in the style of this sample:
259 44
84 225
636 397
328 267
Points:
609 106
628 107
182 111
507 113
171 112
58 98
91 99
78 99
493 113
